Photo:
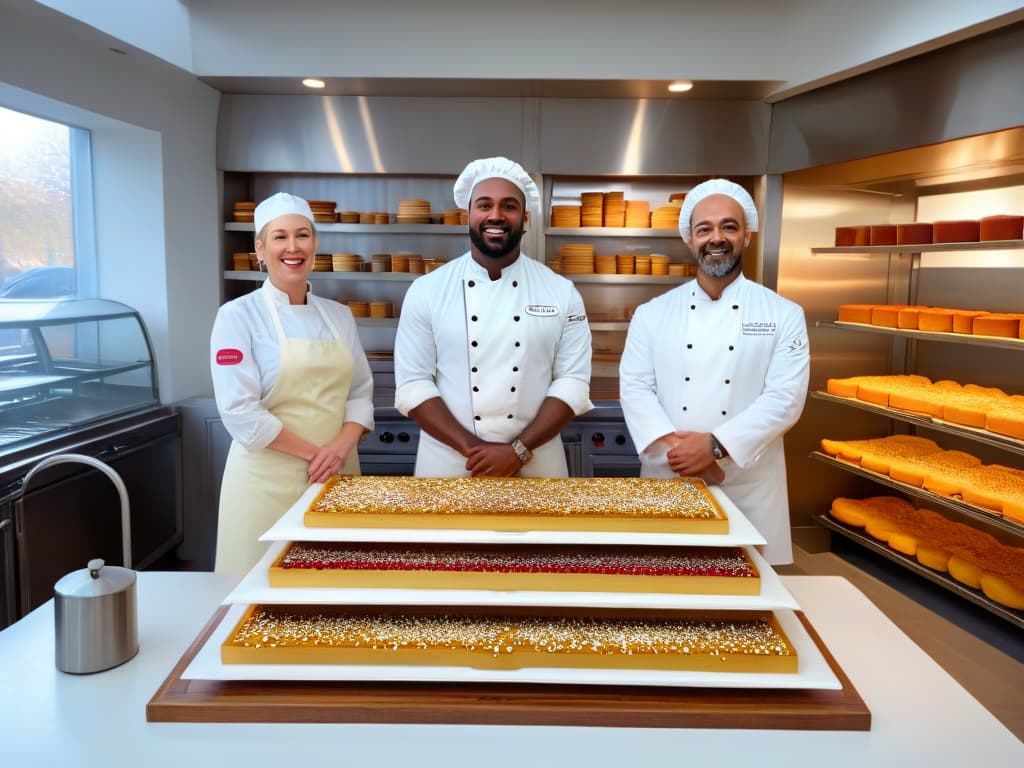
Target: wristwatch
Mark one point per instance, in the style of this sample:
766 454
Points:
524 453
716 448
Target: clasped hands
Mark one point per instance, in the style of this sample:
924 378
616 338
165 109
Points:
486 459
689 455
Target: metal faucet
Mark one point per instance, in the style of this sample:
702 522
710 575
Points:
78 458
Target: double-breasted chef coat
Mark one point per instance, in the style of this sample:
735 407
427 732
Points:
277 365
738 367
492 350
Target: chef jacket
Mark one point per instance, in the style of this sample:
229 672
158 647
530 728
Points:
244 354
738 367
493 350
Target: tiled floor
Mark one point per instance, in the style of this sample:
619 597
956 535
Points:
984 653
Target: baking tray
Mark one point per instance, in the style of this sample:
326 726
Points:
255 588
290 527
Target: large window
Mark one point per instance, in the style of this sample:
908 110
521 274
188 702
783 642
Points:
41 165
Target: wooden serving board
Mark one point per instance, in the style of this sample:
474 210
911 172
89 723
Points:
235 701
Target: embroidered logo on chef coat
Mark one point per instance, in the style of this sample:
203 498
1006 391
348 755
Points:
229 356
575 318
759 328
541 310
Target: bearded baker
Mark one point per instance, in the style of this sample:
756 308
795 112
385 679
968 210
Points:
492 353
292 383
716 370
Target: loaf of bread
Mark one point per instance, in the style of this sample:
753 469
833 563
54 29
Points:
971 557
914 233
1001 228
962 231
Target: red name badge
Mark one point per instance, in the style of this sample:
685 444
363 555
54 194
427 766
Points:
229 356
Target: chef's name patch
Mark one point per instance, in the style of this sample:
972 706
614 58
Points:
759 328
575 318
541 310
229 356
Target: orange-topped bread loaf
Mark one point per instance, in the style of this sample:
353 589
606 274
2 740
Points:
546 568
963 320
935 320
908 317
855 313
857 235
876 453
970 406
914 233
612 504
1001 228
886 315
995 324
913 471
882 234
972 557
747 642
991 485
877 457
918 397
1007 418
961 231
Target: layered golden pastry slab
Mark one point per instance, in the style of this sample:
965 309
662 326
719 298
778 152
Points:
743 642
547 568
592 504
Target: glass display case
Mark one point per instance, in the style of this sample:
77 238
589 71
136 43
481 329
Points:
68 363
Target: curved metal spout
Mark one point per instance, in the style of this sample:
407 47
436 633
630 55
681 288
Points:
78 458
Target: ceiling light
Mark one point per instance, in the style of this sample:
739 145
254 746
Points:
312 82
680 86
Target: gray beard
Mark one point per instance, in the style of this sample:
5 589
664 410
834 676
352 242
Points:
721 268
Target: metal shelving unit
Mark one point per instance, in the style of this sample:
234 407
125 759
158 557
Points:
975 596
978 435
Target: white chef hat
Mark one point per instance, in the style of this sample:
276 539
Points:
280 204
496 168
716 187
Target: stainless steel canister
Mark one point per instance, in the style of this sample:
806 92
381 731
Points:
95 618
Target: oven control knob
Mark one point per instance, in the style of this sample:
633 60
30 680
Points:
620 439
387 437
403 437
597 439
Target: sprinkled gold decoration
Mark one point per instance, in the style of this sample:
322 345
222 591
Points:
619 504
336 635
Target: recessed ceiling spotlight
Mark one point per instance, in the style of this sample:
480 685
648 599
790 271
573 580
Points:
680 86
312 82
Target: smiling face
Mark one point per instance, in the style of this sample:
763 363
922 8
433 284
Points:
497 219
719 235
287 245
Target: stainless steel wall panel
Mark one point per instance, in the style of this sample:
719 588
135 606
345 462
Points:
653 136
820 283
963 90
359 134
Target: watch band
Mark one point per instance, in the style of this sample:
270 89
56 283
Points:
716 448
524 453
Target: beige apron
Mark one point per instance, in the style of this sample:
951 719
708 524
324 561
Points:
313 381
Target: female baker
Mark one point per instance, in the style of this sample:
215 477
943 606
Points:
292 385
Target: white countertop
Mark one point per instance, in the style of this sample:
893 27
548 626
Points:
920 715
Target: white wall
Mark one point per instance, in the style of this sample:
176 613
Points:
159 27
156 183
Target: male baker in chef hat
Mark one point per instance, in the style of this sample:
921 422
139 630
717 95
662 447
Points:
492 352
715 371
496 174
723 198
